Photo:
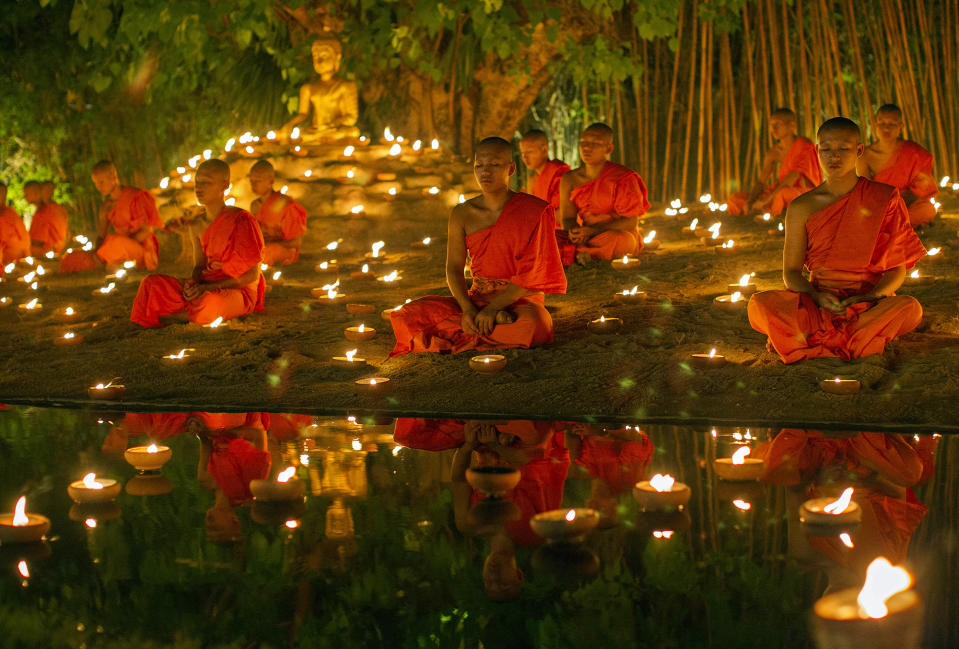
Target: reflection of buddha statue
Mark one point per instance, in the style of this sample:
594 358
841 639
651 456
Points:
331 99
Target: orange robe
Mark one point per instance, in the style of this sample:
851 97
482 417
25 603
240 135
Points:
909 169
618 463
520 249
232 244
14 240
281 218
851 243
49 227
134 209
802 158
547 182
618 192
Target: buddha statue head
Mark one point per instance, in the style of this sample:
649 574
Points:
326 57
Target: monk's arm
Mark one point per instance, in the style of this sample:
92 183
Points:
248 277
889 282
794 257
142 234
458 484
769 165
455 263
567 210
102 224
788 181
617 224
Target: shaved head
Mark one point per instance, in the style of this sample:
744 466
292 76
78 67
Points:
104 166
496 145
535 136
840 125
263 167
785 114
31 185
601 129
890 109
216 168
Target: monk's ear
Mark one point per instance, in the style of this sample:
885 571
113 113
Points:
512 168
860 149
609 146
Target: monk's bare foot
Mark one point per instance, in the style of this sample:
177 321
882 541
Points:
583 258
505 317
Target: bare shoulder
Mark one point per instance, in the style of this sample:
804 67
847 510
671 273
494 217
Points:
803 206
575 177
461 212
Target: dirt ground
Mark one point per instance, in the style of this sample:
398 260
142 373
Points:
279 360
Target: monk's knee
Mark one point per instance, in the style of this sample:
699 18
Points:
911 310
205 309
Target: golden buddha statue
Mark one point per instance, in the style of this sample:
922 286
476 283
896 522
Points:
332 100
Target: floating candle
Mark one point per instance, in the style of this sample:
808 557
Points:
739 468
359 333
661 492
93 490
487 363
625 263
710 360
147 458
839 386
21 526
565 525
829 511
285 487
631 295
604 325
727 248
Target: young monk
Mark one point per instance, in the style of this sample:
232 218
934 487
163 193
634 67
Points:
14 240
509 237
282 220
798 170
601 201
226 281
544 174
854 237
133 215
48 230
901 163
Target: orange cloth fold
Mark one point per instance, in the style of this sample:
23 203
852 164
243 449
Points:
801 158
14 239
49 228
909 169
520 248
281 218
618 463
850 244
547 182
232 244
618 192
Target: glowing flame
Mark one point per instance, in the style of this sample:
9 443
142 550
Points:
625 259
388 135
356 209
286 474
348 151
693 224
23 569
649 237
90 481
376 247
186 177
742 504
295 133
229 144
391 191
284 189
216 323
91 523
729 244
164 182
662 483
361 328
372 382
712 352
395 150
767 216
739 457
277 275
129 264
714 228
426 241
152 448
365 268
932 252
69 335
32 304
417 145
391 277
602 318
291 524
571 515
307 173
736 297
332 245
434 190
331 293
846 540
271 135
20 518
663 534
839 505
944 181
9 268
676 203
356 444
914 274
744 280
883 580
208 153
350 354
705 198
461 199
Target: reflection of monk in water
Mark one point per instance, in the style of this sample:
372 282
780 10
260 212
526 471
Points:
333 100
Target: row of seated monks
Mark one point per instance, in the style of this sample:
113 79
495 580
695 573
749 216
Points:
48 229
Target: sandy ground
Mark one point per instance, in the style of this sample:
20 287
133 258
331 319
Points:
279 360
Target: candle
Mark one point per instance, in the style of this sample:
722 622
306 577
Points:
885 614
359 334
285 487
372 385
631 295
487 363
917 279
329 266
727 248
710 360
93 490
109 390
68 339
179 358
349 359
375 251
360 309
363 273
387 313
933 254
32 305
147 458
109 289
423 243
564 525
69 314
494 481
744 287
839 386
604 325
20 526
828 511
625 263
277 277
661 492
734 302
216 325
393 276
739 468
650 242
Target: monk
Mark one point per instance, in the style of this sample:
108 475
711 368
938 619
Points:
854 237
544 175
226 281
798 170
509 237
601 201
901 163
282 220
48 230
133 215
14 240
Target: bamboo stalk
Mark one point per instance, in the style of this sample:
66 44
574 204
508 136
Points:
774 39
790 101
672 102
703 84
689 113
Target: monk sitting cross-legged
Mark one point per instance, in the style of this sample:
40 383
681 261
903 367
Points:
601 201
48 230
509 237
282 220
854 237
901 163
798 170
226 281
14 240
133 215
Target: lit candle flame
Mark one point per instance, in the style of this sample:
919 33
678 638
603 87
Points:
693 224
356 444
883 580
291 524
91 523
152 448
395 150
434 190
676 203
295 133
705 198
348 151
332 245
744 280
277 275
426 241
649 237
331 293
350 354
32 304
914 274
377 247
663 534
735 297
90 481
932 252
286 474
662 483
714 228
361 328
739 457
625 259
435 144
216 323
839 505
712 352
571 515
391 191
20 518
602 318
372 382
229 144
271 135
742 504
846 540
462 198
23 569
944 181
729 244
351 174
365 268
392 277
356 209
388 135
417 145
69 335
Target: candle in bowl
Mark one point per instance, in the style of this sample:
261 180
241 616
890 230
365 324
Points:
360 309
570 525
710 360
21 526
915 278
68 339
372 385
349 359
359 333
327 294
69 314
734 302
423 243
839 386
727 248
285 487
739 468
180 358
392 276
604 325
885 614
933 254
829 511
650 242
363 273
661 492
32 305
745 286
487 363
631 295
276 277
93 490
329 266
147 458
625 263
109 390
217 325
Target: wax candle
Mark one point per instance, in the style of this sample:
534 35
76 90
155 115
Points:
915 278
349 359
93 490
710 360
488 363
744 287
829 511
739 468
68 339
625 263
728 247
839 386
650 242
285 487
734 302
21 526
570 525
359 333
109 390
147 458
32 305
631 295
328 266
360 309
373 385
363 273
179 358
604 325
68 314
217 325
661 492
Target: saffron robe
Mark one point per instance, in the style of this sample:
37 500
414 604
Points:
909 169
618 192
547 182
618 463
232 244
49 228
14 240
281 218
850 244
801 158
519 248
134 209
